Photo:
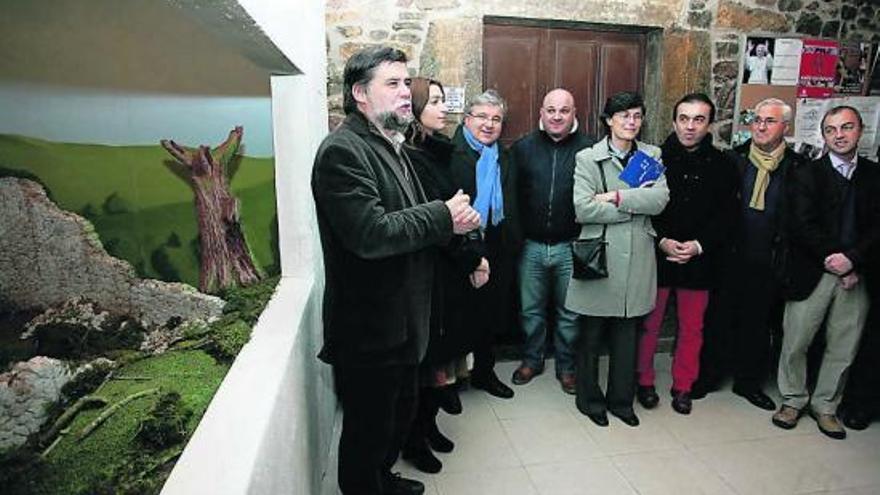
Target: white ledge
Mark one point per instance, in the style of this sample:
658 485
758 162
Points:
268 427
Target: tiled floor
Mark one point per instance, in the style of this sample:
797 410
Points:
538 443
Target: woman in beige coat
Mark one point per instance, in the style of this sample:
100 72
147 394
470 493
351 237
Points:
614 305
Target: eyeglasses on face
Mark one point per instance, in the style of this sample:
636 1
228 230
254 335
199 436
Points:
625 115
769 121
482 117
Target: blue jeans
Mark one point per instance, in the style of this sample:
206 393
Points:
545 269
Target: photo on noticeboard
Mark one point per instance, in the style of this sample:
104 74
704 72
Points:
852 73
758 63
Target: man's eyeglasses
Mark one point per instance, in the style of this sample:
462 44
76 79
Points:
482 117
769 122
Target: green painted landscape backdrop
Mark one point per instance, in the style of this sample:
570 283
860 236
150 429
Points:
140 203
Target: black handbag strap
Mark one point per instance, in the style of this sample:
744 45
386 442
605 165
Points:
602 173
605 187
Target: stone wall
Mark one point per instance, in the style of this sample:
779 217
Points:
701 42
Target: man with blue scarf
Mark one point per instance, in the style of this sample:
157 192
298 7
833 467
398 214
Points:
485 171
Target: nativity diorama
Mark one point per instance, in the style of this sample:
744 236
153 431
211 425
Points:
130 278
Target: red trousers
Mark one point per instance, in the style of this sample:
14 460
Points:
686 360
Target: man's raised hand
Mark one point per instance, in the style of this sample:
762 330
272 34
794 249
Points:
464 217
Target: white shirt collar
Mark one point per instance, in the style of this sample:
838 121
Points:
843 167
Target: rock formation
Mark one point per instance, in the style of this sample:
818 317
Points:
49 257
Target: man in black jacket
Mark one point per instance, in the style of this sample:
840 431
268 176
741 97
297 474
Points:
742 313
692 233
545 165
483 169
834 224
376 228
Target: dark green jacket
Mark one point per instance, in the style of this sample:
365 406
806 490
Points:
376 231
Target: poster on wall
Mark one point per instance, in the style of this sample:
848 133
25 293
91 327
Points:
874 78
758 63
455 96
818 68
787 62
869 108
851 77
807 122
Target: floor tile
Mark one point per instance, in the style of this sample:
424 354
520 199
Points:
511 481
534 399
671 472
553 437
618 438
539 443
477 447
593 477
792 464
864 490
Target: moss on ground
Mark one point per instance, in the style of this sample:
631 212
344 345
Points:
111 460
78 467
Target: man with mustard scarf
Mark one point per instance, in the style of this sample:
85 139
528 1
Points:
742 313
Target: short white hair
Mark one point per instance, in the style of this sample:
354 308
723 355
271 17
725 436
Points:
776 102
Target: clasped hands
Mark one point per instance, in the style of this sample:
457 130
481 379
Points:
840 265
679 252
480 276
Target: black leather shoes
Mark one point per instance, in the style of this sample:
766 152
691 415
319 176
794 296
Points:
492 385
701 389
856 418
395 484
647 396
423 459
681 402
438 441
600 418
448 400
628 417
757 398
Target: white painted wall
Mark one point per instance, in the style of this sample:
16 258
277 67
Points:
268 429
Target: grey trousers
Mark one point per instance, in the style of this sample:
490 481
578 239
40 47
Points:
846 312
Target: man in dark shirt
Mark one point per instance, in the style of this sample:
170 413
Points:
742 313
376 230
545 161
692 231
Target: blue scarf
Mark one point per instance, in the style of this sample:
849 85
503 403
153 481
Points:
489 194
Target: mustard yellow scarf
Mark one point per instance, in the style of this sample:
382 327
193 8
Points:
765 163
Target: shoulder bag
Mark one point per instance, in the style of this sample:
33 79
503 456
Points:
588 255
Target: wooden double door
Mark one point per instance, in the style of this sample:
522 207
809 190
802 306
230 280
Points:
524 62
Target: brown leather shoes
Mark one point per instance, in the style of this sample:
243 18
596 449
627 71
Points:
524 374
829 425
568 383
786 417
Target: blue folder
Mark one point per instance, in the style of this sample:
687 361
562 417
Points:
641 168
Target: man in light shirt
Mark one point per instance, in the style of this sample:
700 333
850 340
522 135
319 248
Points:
834 223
